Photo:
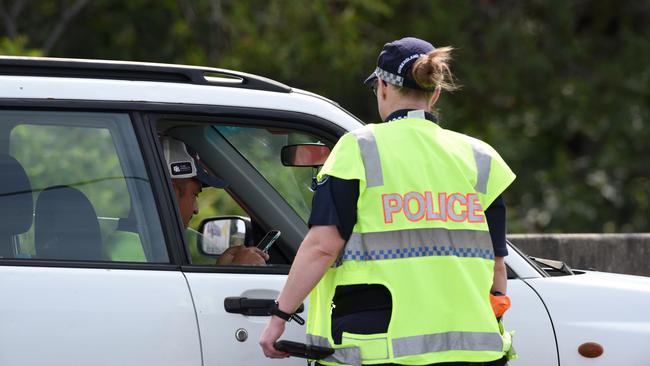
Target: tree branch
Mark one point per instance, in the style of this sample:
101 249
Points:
18 7
62 24
9 16
216 26
188 11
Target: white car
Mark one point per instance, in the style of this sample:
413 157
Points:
80 160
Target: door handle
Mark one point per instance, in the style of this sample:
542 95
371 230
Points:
251 307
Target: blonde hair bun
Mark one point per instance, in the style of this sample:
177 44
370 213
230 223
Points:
432 70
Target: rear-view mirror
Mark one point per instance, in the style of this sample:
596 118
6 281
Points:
313 155
221 233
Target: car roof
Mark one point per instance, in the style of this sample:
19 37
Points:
143 71
125 81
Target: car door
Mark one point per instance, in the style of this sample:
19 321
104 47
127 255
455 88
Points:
274 197
70 179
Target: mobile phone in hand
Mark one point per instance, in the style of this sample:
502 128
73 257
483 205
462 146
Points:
268 240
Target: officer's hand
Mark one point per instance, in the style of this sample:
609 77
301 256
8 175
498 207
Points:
243 255
270 335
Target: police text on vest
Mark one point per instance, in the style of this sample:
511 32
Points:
416 206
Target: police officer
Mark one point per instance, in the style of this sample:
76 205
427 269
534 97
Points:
400 260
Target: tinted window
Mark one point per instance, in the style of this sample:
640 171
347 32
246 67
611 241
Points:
212 202
90 194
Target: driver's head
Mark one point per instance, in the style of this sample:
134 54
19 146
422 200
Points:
188 176
187 191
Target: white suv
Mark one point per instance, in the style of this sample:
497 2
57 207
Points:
80 159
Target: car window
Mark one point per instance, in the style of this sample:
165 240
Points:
212 202
262 147
90 191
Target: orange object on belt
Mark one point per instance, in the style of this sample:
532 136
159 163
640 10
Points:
499 304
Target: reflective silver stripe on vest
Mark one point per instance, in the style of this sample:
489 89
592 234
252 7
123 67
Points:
450 341
370 156
348 355
418 243
483 160
418 345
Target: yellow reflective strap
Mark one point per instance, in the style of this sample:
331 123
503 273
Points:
373 346
509 350
358 348
348 355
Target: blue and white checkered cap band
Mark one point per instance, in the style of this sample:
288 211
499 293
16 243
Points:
389 77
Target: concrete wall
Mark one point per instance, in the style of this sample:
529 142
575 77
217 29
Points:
619 253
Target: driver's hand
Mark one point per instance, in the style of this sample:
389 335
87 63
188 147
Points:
243 255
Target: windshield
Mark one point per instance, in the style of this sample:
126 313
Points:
262 147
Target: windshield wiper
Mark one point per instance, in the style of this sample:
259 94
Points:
553 264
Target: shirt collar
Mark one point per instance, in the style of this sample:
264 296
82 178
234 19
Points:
411 113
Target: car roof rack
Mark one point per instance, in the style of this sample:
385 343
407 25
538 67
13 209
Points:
140 71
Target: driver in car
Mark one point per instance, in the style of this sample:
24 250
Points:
188 178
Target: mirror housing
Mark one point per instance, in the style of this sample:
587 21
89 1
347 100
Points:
222 232
304 155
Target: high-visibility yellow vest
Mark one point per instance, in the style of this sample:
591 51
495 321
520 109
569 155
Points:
420 232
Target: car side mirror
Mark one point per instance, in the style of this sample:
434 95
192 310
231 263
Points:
313 155
221 233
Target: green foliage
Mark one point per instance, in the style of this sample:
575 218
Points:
17 47
560 88
71 156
